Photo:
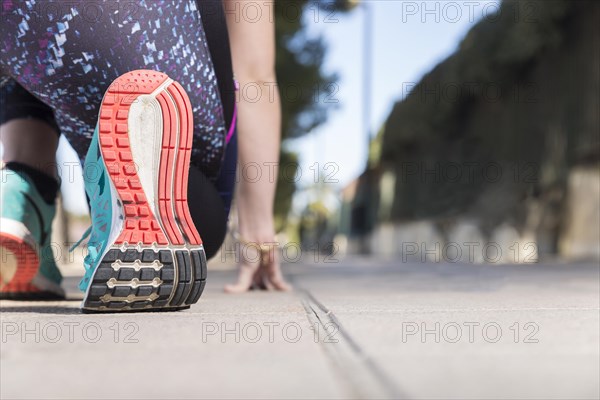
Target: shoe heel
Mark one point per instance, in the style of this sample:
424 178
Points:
19 264
156 259
147 279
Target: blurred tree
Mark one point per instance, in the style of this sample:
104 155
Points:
492 133
303 86
519 98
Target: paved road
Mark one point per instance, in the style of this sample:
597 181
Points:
358 329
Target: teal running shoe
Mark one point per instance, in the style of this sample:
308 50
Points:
144 252
28 270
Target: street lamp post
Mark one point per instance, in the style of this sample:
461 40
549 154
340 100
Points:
367 72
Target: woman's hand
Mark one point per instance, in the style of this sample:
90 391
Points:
259 269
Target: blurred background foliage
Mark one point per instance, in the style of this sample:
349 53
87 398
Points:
519 98
301 81
493 136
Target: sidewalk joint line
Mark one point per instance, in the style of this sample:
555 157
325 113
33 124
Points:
318 311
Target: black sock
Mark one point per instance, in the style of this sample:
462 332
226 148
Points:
44 183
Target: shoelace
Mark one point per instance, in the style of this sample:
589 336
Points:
87 233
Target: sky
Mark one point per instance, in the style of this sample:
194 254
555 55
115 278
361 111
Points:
409 39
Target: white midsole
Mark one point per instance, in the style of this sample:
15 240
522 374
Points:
145 131
145 141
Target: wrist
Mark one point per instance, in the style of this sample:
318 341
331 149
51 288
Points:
258 233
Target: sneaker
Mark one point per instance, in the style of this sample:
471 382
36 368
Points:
28 270
144 252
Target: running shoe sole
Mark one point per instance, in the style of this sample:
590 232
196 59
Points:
19 261
157 261
19 266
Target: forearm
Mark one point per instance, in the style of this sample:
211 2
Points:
259 121
259 143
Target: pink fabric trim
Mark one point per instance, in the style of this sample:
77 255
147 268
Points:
232 127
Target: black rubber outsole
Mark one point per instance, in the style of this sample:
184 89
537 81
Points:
132 280
143 310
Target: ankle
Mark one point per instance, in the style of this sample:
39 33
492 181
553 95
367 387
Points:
48 168
47 185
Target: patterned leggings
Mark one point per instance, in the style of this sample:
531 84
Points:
59 57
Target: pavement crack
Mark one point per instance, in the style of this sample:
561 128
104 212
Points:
365 378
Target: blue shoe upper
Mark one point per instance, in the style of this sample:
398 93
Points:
20 201
98 189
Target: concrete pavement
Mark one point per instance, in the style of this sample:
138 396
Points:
359 328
